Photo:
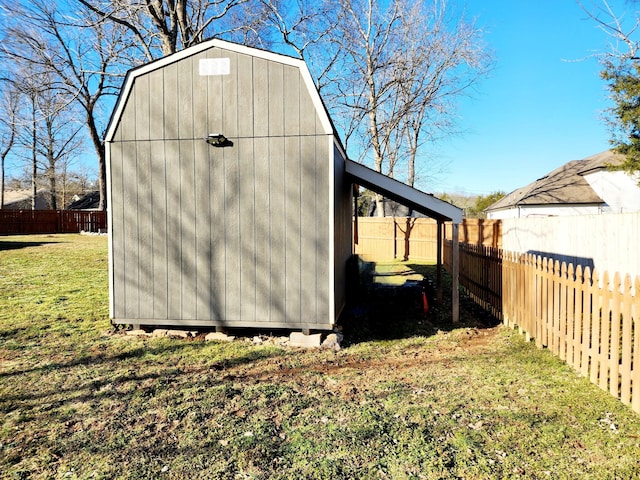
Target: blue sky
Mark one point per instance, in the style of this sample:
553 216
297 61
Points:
541 107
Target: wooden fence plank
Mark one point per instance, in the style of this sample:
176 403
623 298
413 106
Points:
635 373
577 324
615 347
586 323
627 343
595 328
605 333
562 313
541 299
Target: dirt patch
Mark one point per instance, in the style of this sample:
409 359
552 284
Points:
389 364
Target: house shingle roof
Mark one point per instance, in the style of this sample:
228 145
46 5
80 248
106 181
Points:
564 185
90 201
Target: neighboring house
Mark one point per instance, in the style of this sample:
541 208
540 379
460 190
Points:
231 195
580 187
89 201
21 199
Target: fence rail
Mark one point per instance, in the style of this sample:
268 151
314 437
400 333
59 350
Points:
14 222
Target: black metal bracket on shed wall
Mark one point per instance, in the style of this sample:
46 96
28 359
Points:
218 140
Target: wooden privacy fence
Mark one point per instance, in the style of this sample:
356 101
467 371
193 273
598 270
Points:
14 222
383 238
590 322
390 237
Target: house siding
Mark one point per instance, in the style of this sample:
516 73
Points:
235 236
525 211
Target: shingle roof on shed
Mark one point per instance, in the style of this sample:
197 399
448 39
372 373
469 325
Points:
564 185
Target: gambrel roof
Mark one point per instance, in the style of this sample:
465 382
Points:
229 46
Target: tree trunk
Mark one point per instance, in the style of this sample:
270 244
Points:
2 182
53 202
34 160
102 164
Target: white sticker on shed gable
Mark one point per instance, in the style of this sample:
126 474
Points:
215 66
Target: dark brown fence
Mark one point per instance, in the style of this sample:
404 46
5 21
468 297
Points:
17 222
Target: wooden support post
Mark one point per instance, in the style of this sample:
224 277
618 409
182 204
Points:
440 240
455 270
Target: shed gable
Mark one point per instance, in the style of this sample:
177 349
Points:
256 98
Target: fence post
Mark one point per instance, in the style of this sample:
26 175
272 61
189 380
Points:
439 261
455 272
635 377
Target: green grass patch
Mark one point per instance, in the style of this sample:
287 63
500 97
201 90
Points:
78 400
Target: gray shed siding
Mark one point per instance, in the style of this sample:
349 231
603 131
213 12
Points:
237 236
343 233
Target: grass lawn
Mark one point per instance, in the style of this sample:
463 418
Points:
78 400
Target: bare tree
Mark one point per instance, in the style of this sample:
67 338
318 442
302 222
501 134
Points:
304 29
28 134
443 58
58 141
9 105
404 65
46 132
82 55
622 30
163 27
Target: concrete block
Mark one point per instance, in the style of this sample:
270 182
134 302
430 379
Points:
137 333
219 337
299 339
178 334
332 342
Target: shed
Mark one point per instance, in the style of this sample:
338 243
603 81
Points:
230 198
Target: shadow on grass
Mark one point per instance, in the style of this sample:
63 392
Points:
17 245
144 377
404 309
179 348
